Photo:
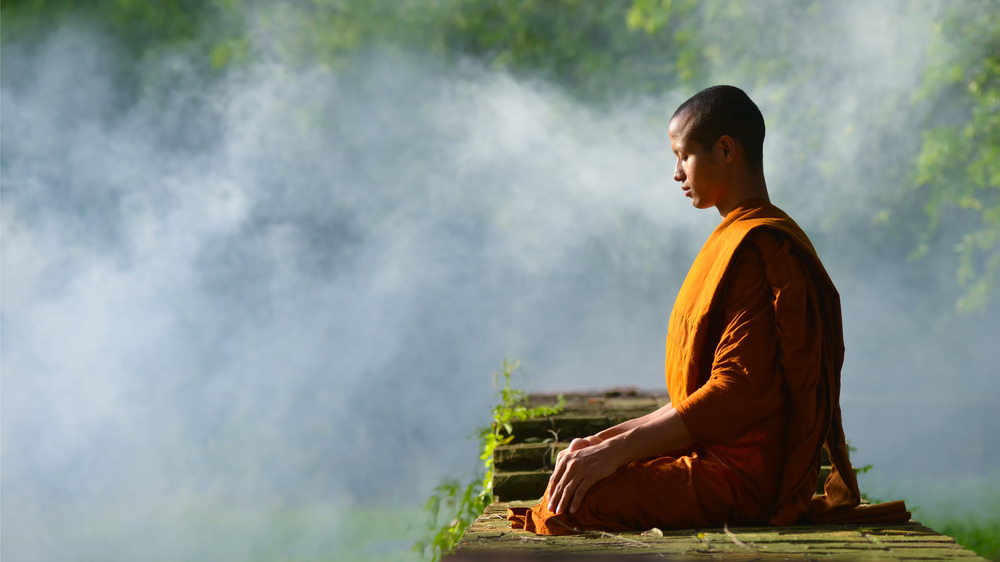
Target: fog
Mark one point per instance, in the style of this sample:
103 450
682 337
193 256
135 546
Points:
285 291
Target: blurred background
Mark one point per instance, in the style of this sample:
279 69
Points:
261 259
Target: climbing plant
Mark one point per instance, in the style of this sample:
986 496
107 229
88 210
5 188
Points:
463 502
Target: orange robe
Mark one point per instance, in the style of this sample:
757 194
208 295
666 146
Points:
753 357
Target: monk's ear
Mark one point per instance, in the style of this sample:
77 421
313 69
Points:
727 146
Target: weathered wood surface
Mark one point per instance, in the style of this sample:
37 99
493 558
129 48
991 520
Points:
491 538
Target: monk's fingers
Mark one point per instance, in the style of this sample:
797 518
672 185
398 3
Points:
557 489
558 471
568 493
560 483
562 459
577 444
585 485
567 485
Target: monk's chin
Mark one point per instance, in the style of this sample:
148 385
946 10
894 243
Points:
699 204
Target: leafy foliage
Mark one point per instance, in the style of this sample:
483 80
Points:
467 501
957 175
594 49
213 28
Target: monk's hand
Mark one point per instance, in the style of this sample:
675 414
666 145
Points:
578 468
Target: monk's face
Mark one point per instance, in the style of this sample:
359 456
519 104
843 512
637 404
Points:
702 171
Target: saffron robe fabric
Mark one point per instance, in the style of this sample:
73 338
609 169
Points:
753 357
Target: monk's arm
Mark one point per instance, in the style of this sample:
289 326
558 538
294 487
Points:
659 433
746 386
581 466
628 425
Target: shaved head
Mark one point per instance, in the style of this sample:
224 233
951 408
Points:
724 110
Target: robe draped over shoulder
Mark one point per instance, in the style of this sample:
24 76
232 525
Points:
753 357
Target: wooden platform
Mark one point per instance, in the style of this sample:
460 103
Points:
522 469
491 538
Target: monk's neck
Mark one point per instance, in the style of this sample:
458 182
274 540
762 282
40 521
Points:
743 189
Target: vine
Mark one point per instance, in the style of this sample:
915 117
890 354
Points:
466 502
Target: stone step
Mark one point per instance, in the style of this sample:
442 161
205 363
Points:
527 456
584 414
621 399
520 485
568 426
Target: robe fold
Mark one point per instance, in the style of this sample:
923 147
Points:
753 357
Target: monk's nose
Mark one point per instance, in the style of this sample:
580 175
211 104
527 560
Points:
678 171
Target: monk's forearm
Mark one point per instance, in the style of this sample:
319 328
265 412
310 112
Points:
657 435
590 460
633 423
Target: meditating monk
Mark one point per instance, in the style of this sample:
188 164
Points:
753 357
